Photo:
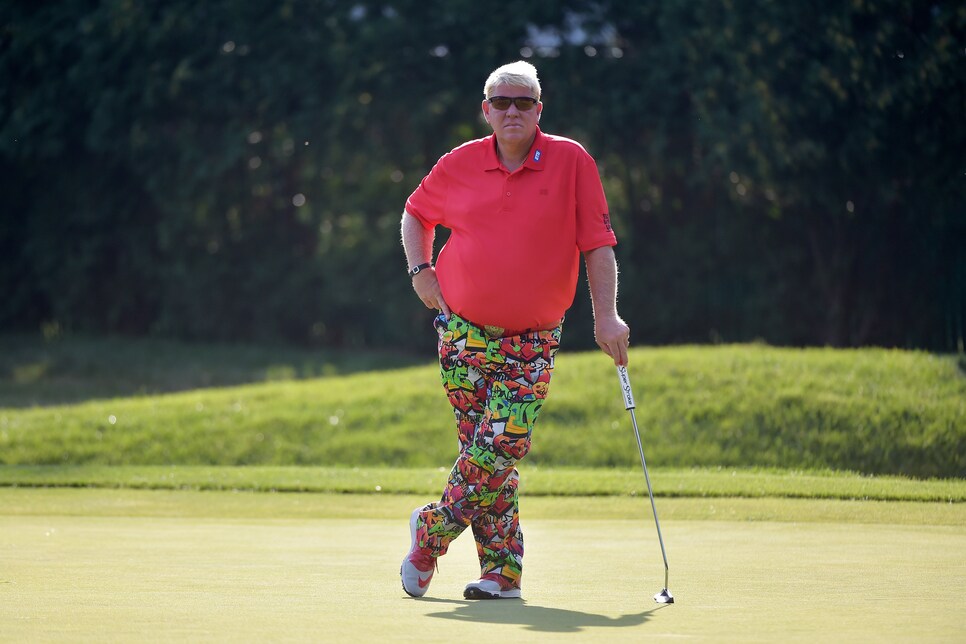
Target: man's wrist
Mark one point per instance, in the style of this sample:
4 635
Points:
416 270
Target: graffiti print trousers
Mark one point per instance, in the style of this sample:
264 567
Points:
496 385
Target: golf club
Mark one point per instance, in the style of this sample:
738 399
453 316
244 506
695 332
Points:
665 596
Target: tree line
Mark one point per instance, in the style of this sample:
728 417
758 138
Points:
235 171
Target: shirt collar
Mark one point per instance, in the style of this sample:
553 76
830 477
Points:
535 160
535 157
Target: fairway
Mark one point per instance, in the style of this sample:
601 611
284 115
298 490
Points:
125 565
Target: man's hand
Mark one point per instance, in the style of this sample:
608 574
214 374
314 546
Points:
427 288
610 331
613 337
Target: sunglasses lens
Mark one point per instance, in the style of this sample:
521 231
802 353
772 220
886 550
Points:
523 103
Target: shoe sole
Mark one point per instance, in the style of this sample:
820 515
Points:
473 592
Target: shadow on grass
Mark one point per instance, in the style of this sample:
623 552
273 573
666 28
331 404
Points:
37 372
534 618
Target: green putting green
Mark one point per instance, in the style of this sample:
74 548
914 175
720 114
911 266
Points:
125 565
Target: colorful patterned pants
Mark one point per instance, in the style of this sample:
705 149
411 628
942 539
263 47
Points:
496 386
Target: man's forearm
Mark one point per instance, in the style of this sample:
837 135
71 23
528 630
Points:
418 245
602 278
610 331
417 241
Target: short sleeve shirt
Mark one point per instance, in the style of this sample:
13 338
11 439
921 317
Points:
512 258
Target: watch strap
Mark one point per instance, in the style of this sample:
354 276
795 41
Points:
415 270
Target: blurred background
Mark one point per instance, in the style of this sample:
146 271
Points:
234 171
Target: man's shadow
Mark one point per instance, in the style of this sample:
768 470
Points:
534 618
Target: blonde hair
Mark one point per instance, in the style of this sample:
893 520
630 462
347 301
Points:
518 74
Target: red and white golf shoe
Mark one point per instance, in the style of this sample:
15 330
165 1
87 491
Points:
419 565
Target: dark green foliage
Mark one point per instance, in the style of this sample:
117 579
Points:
236 170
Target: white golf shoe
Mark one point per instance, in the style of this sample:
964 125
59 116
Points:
491 587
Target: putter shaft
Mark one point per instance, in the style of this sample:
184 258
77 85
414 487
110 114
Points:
650 494
629 405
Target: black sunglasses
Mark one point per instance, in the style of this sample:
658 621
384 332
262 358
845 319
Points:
523 103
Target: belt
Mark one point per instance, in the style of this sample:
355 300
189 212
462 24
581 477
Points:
494 332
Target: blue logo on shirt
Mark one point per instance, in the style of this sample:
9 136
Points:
536 156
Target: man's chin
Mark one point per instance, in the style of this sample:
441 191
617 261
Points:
515 134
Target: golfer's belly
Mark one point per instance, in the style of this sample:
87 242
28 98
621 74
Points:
505 289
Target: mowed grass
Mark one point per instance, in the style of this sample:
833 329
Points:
135 565
871 411
536 481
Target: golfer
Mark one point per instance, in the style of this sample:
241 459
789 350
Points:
521 206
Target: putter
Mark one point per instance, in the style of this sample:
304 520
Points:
665 596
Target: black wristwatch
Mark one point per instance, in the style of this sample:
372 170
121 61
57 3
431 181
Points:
415 270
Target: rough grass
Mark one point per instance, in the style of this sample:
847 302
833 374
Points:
870 411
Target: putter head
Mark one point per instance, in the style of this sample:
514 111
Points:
664 597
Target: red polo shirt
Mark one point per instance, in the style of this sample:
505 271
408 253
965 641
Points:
512 258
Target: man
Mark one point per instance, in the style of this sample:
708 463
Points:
521 206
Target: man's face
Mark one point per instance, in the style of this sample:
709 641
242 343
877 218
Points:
512 125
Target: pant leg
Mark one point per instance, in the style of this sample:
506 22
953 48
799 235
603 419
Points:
465 387
515 403
499 539
517 371
466 390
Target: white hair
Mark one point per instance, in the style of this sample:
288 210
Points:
518 74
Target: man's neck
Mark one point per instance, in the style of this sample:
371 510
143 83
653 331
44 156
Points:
515 154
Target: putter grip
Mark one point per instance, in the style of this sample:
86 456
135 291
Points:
626 387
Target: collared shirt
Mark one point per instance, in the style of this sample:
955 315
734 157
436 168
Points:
512 258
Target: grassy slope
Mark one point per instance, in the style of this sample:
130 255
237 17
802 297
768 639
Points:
872 411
